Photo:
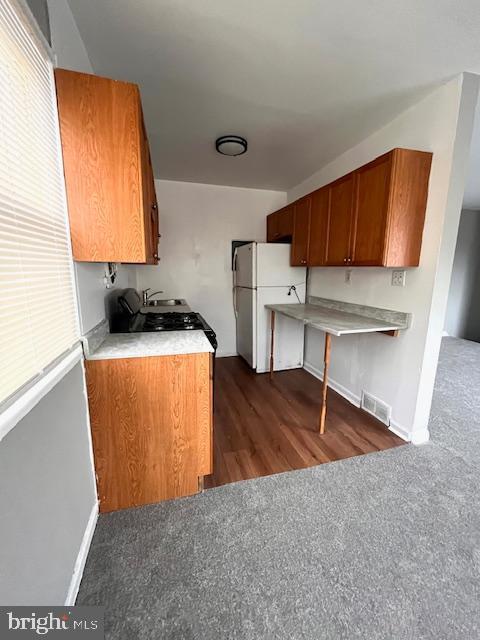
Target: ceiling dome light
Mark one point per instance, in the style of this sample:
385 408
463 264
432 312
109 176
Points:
231 145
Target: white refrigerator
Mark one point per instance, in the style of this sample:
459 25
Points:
262 275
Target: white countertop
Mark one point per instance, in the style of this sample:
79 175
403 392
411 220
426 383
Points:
142 345
334 321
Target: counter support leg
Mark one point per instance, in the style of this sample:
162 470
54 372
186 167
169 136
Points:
272 340
326 362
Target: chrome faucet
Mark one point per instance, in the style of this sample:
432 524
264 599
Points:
146 296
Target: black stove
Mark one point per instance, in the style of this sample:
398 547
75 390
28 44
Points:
132 320
172 321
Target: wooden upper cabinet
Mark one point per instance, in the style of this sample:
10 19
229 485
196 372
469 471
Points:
373 216
301 232
318 227
407 206
280 225
339 221
108 175
372 184
272 227
285 223
389 211
150 205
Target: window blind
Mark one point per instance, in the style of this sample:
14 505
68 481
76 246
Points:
38 314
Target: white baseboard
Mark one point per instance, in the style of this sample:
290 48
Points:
420 437
336 386
225 354
282 368
400 431
82 557
397 429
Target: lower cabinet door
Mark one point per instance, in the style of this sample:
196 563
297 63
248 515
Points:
151 427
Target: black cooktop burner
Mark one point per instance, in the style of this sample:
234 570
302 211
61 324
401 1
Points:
172 321
131 319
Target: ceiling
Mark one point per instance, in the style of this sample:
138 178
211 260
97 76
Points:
302 80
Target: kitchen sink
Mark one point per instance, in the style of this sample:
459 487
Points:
171 302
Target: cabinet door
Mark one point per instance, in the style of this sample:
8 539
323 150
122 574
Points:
100 132
372 186
151 437
339 221
407 207
150 206
301 230
272 227
318 227
285 223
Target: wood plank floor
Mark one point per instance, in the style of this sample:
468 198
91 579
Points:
264 427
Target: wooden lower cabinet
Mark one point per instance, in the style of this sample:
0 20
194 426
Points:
151 421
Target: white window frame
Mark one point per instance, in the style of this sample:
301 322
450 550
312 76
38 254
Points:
30 394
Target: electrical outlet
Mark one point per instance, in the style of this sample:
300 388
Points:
398 278
348 276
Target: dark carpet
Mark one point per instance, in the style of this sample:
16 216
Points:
379 546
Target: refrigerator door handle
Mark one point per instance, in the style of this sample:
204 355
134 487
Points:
234 289
235 310
234 274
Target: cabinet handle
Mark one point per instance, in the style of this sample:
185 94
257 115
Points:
345 259
159 235
155 255
154 206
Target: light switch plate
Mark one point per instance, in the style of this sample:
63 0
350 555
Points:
398 278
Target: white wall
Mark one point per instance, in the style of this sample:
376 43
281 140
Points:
72 54
66 40
39 9
47 496
463 310
198 223
401 370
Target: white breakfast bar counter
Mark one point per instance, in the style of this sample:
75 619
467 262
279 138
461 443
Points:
337 318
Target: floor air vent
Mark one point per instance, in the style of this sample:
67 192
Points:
376 407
